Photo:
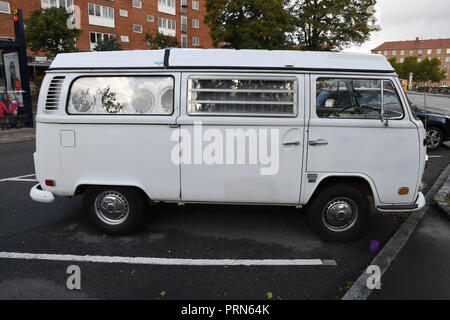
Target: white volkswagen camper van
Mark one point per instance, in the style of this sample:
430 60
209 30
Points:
331 132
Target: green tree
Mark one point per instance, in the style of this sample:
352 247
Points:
426 70
429 70
248 24
161 41
332 24
46 31
108 44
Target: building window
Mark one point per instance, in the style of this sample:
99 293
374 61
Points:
101 15
402 52
394 52
195 41
379 52
411 52
167 27
137 4
123 13
137 28
195 23
4 7
183 23
429 51
448 50
196 5
402 60
447 59
150 18
438 51
184 41
419 52
241 96
167 6
444 83
386 53
68 4
96 37
419 59
124 39
110 96
184 6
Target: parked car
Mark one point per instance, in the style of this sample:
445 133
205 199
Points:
437 126
230 127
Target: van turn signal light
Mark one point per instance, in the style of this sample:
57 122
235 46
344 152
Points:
403 191
50 183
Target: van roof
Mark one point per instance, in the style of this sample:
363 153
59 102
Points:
222 59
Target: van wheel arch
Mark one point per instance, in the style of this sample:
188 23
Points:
356 181
80 189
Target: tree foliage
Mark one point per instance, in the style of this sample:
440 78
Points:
248 24
161 41
108 44
426 70
46 31
332 24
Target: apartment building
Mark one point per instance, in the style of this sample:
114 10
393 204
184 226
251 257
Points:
126 20
422 49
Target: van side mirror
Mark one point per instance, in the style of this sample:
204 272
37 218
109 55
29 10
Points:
330 103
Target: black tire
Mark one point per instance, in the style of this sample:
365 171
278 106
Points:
438 136
345 197
129 202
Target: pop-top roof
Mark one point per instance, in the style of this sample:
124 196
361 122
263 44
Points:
222 59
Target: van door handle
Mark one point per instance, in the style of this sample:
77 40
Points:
291 143
318 142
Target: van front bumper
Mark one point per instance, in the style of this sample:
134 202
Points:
419 204
39 195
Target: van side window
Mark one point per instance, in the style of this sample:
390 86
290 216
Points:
242 96
140 95
391 102
348 98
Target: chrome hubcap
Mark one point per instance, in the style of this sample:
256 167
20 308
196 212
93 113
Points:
340 214
433 138
111 207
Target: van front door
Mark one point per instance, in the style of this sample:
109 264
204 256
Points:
241 138
347 137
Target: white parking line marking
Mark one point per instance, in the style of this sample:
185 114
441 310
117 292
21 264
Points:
167 261
435 156
20 178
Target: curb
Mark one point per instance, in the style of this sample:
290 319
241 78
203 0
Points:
442 197
17 135
360 290
17 139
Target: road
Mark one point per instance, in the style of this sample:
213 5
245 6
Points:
434 102
170 231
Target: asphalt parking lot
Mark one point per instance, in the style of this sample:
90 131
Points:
190 232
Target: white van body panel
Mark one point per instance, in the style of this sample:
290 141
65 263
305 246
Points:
127 150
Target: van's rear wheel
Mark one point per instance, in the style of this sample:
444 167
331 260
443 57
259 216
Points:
114 210
339 213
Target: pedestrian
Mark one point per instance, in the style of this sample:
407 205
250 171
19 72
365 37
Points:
13 108
4 111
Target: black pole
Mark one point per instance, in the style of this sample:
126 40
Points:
19 32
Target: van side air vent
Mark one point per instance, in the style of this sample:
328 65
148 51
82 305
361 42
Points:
53 94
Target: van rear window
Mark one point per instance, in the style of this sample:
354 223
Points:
139 95
242 96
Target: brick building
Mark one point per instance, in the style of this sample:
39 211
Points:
422 49
127 20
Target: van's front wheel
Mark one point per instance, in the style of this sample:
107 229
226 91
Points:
114 210
339 213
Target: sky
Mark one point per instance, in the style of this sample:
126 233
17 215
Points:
407 19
